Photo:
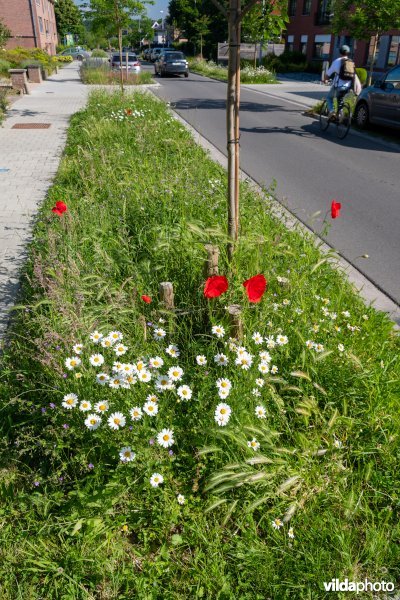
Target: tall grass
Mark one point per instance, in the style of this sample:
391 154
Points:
142 201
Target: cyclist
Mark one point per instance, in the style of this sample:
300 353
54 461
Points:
342 80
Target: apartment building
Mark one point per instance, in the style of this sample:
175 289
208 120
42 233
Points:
32 23
308 32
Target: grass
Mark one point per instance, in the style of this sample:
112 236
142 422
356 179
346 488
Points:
102 75
248 74
142 201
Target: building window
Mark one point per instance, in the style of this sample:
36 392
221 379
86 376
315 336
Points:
371 50
394 51
292 8
47 26
303 44
322 47
289 46
307 7
41 24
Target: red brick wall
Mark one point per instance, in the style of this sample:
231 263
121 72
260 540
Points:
16 14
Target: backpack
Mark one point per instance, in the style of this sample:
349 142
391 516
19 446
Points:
347 70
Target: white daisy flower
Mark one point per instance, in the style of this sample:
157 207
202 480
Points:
325 300
85 405
277 524
131 379
333 316
159 334
125 368
265 357
126 455
257 338
184 392
144 376
201 360
309 344
270 342
101 407
285 302
291 533
106 342
166 438
139 366
77 348
223 394
151 408
156 479
96 336
346 313
318 347
240 350
244 361
70 401
125 385
156 362
256 392
221 420
72 362
92 421
120 349
180 499
282 279
223 384
152 398
172 350
260 382
281 340
221 359
337 443
115 383
223 410
260 411
315 328
96 360
253 444
117 367
340 347
218 330
163 383
298 311
116 420
263 367
274 369
102 378
175 373
115 336
136 413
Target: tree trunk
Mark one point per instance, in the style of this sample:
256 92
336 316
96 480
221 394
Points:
120 60
201 46
232 121
371 66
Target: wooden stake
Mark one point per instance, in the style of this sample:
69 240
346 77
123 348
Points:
167 295
211 264
235 318
142 321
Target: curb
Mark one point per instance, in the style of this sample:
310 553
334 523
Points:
368 291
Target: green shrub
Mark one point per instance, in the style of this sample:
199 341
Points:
64 59
98 53
4 66
362 75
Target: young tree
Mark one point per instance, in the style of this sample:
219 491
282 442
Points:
201 26
68 18
113 16
364 19
265 22
5 35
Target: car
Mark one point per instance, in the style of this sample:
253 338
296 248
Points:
380 103
154 54
171 63
146 53
133 62
76 52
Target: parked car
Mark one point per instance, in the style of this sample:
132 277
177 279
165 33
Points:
154 54
76 52
146 53
171 63
133 62
380 103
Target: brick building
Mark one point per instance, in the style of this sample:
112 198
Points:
308 32
32 23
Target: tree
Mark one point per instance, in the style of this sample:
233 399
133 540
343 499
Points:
141 29
68 18
5 35
113 16
364 19
202 29
265 22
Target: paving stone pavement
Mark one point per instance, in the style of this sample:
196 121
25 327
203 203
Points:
29 159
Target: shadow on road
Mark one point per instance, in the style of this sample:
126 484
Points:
220 104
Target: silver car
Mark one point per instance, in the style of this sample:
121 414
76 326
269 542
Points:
171 63
76 52
380 103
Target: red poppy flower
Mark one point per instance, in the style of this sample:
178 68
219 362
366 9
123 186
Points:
146 299
215 286
255 287
128 112
59 208
335 209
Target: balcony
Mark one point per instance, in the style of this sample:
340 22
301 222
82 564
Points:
322 17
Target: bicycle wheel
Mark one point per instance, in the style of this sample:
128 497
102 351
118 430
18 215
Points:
324 117
343 122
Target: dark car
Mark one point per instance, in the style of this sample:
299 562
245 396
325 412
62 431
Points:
380 103
171 63
133 62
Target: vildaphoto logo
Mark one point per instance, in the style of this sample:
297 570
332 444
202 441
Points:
336 585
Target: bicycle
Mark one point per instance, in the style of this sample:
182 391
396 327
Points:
342 119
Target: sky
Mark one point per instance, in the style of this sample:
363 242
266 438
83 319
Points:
153 11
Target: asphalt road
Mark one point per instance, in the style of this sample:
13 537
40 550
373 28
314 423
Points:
279 144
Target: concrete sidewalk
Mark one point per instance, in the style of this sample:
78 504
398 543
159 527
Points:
29 159
304 93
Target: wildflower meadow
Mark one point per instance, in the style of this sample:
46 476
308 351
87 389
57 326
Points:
170 452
